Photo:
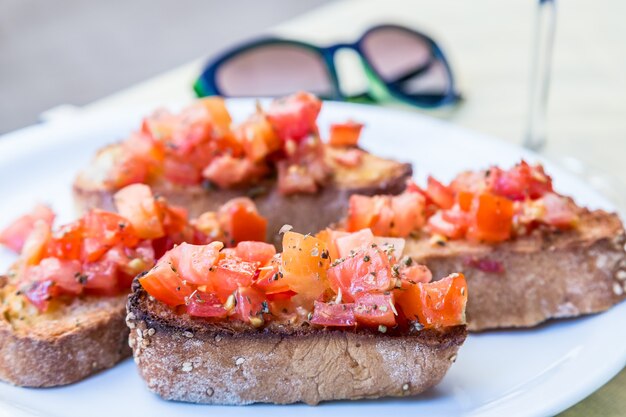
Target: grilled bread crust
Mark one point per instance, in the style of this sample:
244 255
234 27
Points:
51 349
307 213
221 362
546 275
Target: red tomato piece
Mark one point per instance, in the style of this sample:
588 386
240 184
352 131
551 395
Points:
450 223
100 278
227 171
334 315
352 242
295 179
34 248
440 194
258 137
181 171
520 182
195 263
375 309
163 283
305 260
436 304
202 304
63 274
360 213
67 241
415 273
229 274
14 235
137 204
492 218
560 211
294 117
240 221
102 230
250 303
368 270
259 252
408 213
345 134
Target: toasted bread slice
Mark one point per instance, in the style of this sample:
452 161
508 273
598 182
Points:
224 362
62 346
308 213
547 274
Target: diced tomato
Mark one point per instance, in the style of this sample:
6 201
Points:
334 315
408 213
39 294
100 278
492 218
174 218
270 279
415 273
102 230
442 196
446 224
14 235
465 199
67 241
180 171
352 242
330 237
375 309
360 213
63 276
241 221
471 182
195 263
294 117
34 248
202 304
368 270
520 182
560 211
227 171
163 283
127 169
256 252
305 260
229 274
136 203
258 137
250 303
217 113
345 134
130 261
436 304
393 246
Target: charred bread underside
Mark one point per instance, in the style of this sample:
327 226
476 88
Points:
227 362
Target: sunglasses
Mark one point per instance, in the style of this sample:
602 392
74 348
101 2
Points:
400 65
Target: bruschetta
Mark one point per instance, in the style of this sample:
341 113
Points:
63 301
247 325
529 253
199 159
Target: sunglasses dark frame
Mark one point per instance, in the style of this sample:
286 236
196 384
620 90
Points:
379 91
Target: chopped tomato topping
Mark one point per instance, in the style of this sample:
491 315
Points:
334 315
14 235
251 303
229 274
102 230
196 262
226 171
164 283
350 243
137 204
520 182
436 304
294 117
305 260
365 271
202 304
440 194
345 134
240 221
375 309
492 218
256 252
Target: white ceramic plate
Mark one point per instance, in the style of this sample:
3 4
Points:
527 373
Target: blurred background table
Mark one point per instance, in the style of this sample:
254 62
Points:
489 45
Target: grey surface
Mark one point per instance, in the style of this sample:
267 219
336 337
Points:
71 51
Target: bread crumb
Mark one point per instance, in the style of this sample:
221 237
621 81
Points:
239 361
405 387
209 392
187 367
188 334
